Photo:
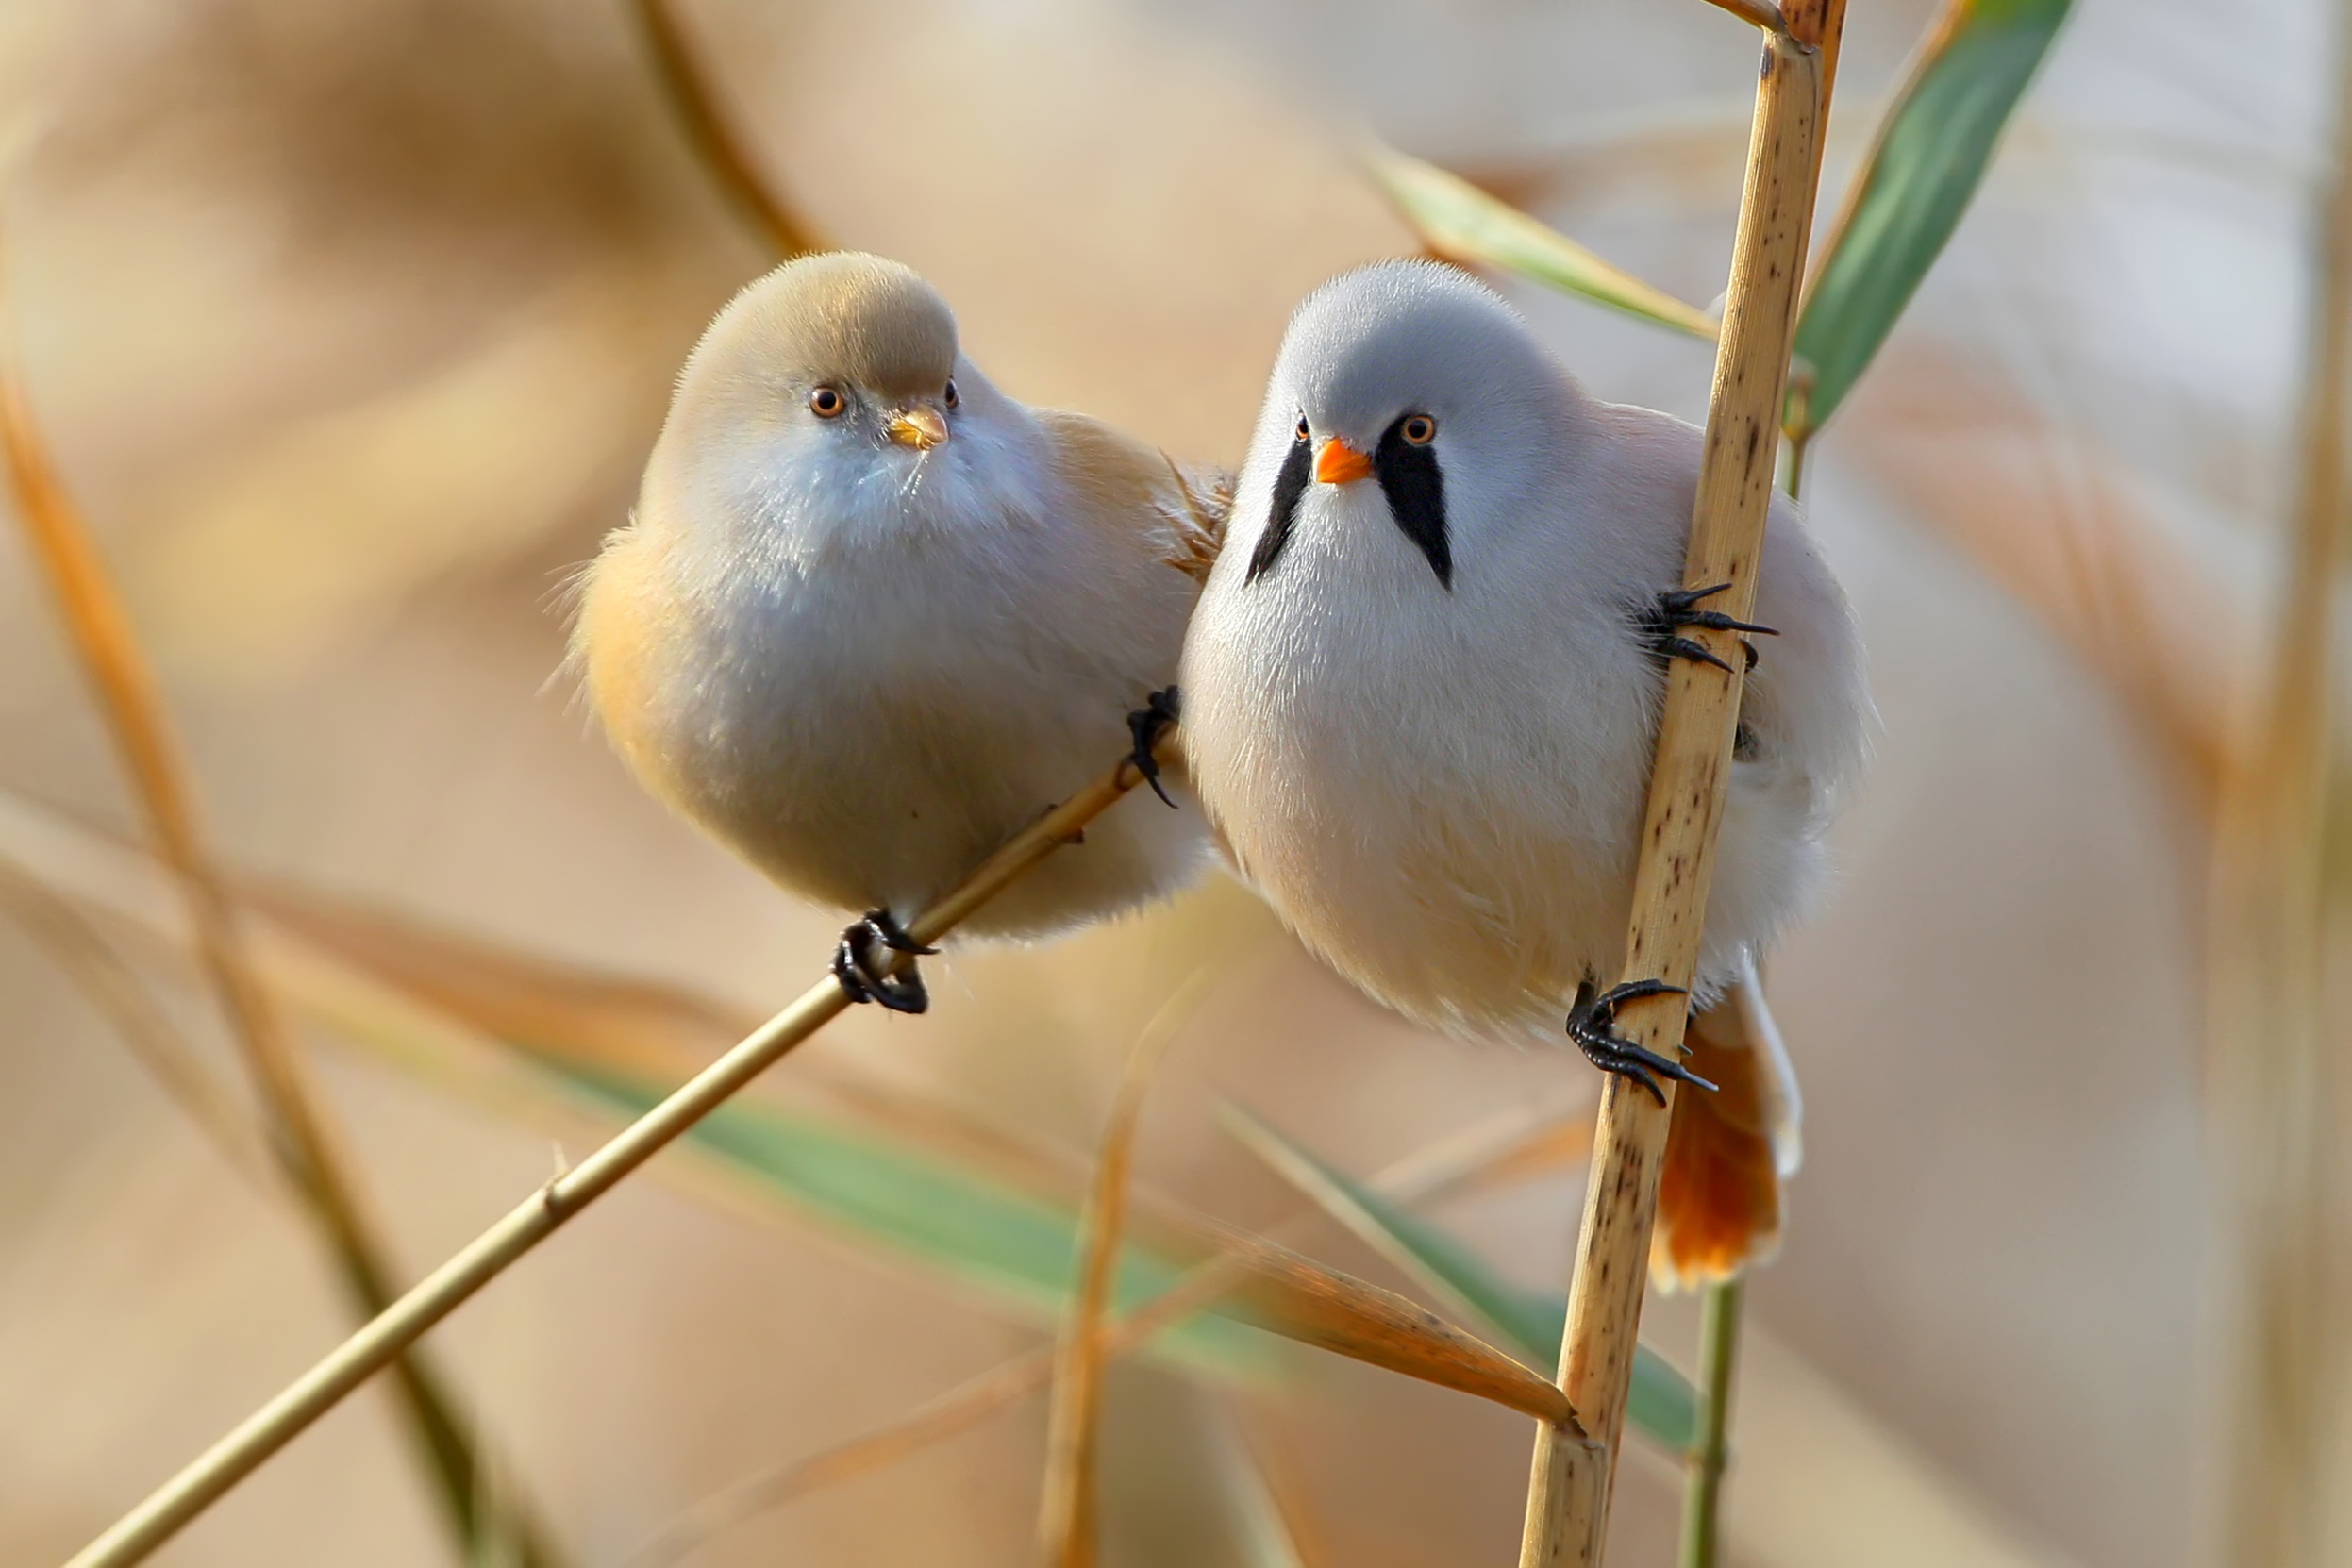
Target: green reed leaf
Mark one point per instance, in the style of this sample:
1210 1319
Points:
1931 155
1464 224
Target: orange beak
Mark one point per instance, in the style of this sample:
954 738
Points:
1339 463
920 427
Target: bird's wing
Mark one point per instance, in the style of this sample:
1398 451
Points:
1124 479
1729 1152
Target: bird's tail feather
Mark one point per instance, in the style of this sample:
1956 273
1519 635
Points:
1719 1197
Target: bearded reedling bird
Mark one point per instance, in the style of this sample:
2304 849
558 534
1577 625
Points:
1422 692
872 617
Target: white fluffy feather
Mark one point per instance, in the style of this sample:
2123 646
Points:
1440 790
863 666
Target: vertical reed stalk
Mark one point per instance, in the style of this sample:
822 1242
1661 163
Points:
1570 1478
1721 1307
1702 1493
2278 1085
301 1137
1068 1513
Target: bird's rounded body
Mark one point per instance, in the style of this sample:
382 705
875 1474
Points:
864 664
1433 757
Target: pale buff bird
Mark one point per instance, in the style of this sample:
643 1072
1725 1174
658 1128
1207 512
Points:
1421 690
872 616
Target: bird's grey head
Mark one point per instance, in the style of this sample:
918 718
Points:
1413 380
832 386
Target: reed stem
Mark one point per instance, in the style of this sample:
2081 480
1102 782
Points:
1719 1354
1571 1475
210 1476
2277 1082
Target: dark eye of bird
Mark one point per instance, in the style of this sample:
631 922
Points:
951 395
1418 429
1303 432
825 403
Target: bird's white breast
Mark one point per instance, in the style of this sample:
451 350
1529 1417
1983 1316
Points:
867 684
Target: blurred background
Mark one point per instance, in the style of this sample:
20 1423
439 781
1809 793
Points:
350 324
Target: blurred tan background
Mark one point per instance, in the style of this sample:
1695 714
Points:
351 324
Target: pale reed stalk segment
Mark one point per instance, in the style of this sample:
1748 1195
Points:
138 1533
1569 1483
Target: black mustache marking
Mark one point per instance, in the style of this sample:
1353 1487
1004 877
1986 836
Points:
1411 481
1415 486
1289 485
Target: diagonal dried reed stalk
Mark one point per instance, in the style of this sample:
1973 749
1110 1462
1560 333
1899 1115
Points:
1418 1176
209 1476
1570 1479
80 949
2278 1085
714 140
301 1137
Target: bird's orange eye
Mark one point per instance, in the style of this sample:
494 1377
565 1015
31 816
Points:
826 404
952 398
1418 429
1303 432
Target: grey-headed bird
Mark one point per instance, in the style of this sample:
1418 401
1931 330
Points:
1422 684
872 616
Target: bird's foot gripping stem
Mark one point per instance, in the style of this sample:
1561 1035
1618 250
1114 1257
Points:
1676 607
1147 724
1592 1025
866 975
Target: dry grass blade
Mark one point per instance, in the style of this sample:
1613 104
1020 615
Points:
301 1139
1224 1274
1068 1512
114 989
1756 13
1570 1480
2277 1083
1317 1305
209 1476
685 84
1470 229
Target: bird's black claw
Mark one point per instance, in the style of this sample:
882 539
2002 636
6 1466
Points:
1592 1025
1146 724
867 977
1677 608
1685 648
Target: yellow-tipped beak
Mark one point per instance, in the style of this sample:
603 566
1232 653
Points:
920 428
1339 463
